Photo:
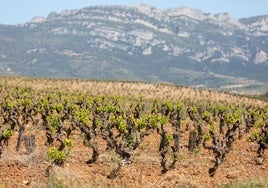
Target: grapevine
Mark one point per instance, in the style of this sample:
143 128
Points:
123 126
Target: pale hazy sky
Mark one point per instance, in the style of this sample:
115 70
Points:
20 11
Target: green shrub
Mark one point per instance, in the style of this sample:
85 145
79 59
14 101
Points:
58 157
68 143
7 133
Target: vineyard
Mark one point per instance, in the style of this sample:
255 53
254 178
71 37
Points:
75 133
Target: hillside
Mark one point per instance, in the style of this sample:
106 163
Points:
141 43
100 125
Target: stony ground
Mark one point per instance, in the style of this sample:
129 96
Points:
19 169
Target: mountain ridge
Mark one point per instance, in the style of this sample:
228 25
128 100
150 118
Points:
140 42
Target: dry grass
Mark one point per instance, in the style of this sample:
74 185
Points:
132 90
247 184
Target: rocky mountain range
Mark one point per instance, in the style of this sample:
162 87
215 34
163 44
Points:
182 46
